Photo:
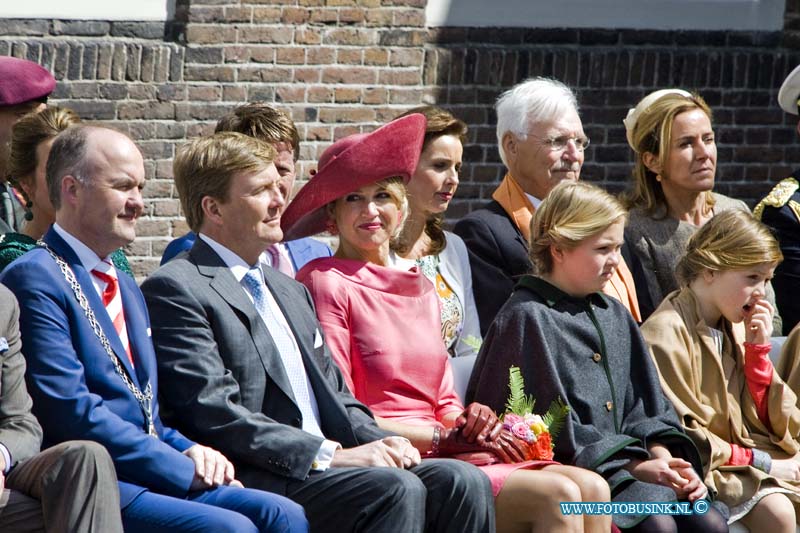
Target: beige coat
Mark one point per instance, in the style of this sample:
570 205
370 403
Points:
788 366
712 400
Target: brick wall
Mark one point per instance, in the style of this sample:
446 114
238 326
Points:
738 73
343 66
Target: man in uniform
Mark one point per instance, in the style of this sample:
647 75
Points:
780 210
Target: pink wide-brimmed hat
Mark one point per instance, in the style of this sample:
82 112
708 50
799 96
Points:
23 81
351 163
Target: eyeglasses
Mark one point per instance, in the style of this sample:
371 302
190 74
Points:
559 144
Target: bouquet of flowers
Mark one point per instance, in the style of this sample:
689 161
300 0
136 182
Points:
537 431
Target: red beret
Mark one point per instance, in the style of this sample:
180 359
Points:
23 81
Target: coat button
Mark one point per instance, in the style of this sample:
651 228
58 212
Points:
296 422
609 406
596 357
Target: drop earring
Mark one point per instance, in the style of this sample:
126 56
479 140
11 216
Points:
28 212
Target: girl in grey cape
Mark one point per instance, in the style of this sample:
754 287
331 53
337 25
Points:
572 342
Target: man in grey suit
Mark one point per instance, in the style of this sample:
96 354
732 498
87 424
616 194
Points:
70 487
244 366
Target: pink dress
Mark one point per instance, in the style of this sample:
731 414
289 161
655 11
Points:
383 326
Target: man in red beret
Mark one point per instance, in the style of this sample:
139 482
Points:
24 87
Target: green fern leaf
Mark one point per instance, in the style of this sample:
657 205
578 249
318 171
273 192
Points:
556 417
518 403
516 390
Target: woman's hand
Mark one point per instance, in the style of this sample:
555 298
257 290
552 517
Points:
785 469
505 445
508 447
452 441
478 423
758 323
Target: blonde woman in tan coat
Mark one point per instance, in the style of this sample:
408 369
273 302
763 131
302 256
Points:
710 341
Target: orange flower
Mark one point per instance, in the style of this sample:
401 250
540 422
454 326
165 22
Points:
543 447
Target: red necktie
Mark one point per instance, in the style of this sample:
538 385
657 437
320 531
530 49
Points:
112 299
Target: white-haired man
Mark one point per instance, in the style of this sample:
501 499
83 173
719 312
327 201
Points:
541 141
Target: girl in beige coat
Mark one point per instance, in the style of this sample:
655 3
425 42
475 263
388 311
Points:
711 342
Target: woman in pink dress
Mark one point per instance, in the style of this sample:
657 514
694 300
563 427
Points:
382 322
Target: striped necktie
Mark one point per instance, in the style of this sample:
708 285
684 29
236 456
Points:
112 299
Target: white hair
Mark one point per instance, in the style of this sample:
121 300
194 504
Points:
534 100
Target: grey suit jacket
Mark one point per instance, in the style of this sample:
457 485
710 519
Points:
20 432
222 379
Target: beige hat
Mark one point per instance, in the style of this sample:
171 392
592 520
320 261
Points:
790 92
635 112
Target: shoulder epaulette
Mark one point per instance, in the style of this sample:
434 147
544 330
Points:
778 196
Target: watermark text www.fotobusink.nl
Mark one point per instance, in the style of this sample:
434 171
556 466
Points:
634 508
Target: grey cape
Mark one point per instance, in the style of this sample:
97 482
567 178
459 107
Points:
589 352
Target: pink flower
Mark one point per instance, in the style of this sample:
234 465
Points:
510 419
521 431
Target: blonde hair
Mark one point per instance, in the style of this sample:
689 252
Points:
571 213
731 240
28 133
653 134
205 167
396 189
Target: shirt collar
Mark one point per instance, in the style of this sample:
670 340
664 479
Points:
534 201
86 256
235 264
552 295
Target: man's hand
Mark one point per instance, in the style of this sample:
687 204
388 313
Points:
211 468
478 423
387 452
407 451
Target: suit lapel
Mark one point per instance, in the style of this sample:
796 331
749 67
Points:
61 248
224 283
519 238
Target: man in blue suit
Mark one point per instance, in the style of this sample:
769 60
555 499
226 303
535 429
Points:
91 365
275 127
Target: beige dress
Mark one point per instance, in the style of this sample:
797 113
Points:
710 395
